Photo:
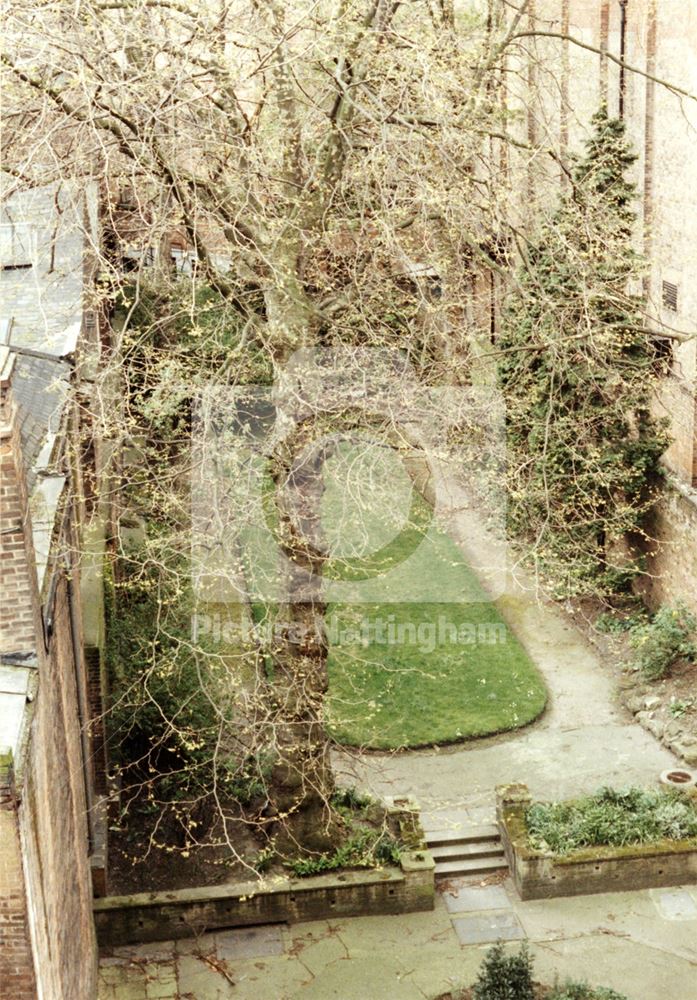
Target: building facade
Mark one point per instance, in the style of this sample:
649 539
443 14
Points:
49 806
639 57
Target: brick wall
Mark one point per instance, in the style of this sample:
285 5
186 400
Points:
586 870
44 842
16 965
189 912
17 604
53 824
660 39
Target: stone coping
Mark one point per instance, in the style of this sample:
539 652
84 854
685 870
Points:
246 890
163 916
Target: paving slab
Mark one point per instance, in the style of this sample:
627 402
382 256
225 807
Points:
203 944
630 915
615 939
675 904
154 951
465 898
637 971
319 947
482 928
160 981
388 978
250 942
200 980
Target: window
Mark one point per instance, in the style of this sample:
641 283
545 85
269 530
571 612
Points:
670 296
16 245
664 355
183 260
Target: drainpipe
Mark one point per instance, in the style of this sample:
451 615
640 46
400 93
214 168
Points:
82 702
623 46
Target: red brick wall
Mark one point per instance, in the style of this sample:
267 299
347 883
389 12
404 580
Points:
46 919
17 608
54 829
16 965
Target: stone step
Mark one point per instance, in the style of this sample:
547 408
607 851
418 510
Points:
471 866
462 835
474 849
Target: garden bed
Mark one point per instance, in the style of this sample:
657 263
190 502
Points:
541 874
665 706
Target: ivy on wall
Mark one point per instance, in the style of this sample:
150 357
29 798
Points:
578 367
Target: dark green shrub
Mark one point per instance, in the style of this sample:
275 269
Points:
505 977
264 859
665 639
578 373
613 623
247 780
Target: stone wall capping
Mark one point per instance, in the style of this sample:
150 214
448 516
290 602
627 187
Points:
181 913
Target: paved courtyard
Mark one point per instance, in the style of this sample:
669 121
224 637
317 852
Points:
641 943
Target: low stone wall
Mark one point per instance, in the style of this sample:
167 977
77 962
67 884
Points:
164 916
600 869
650 707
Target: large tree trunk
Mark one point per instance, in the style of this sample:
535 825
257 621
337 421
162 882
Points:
302 781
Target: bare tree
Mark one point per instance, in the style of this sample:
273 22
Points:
277 179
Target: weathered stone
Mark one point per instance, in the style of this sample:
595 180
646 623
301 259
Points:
471 898
656 727
652 702
671 568
634 703
688 751
249 942
481 928
675 904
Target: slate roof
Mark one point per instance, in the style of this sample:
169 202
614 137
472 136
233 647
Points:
42 302
40 389
44 296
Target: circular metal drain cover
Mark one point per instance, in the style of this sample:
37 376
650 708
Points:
677 777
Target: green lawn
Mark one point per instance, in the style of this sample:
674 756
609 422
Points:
400 696
445 666
442 677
